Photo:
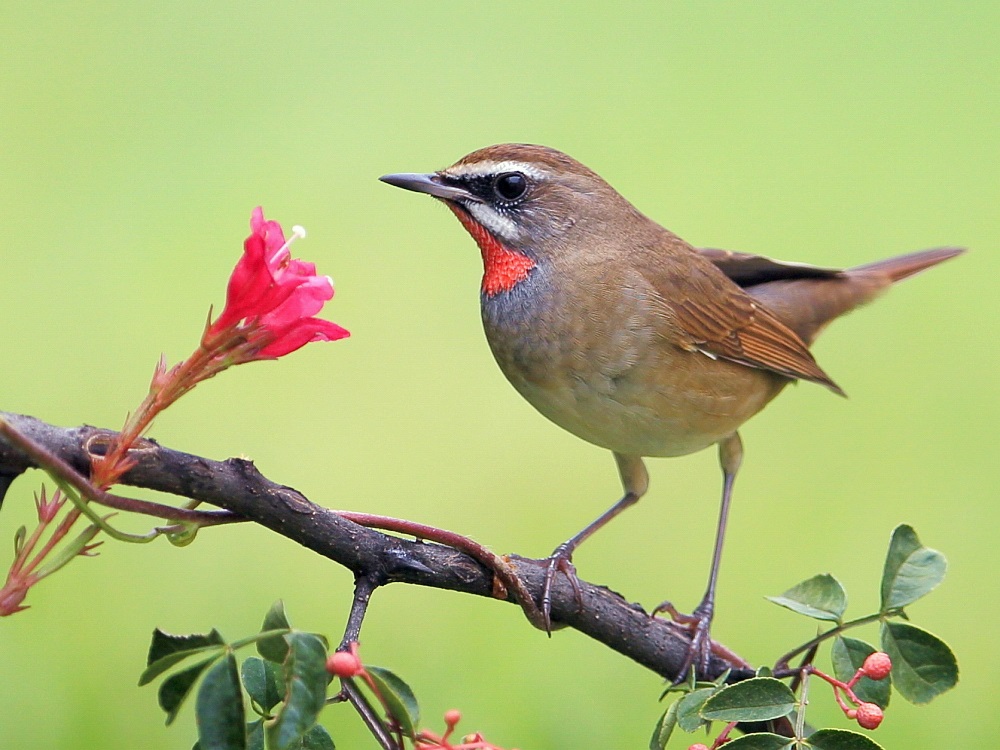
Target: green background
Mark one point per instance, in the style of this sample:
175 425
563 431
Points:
134 141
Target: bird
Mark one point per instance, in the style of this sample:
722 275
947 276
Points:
627 336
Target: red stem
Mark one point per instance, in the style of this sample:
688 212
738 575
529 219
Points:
26 549
500 567
60 531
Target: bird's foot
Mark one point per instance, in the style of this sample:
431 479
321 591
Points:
560 561
697 626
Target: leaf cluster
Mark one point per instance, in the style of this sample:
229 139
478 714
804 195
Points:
923 665
284 687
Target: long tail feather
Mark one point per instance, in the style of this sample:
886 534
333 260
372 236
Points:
808 305
903 266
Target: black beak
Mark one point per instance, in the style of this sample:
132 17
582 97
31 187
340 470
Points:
432 184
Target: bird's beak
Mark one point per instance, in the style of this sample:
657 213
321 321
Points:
432 184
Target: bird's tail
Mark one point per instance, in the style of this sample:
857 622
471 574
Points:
904 266
807 305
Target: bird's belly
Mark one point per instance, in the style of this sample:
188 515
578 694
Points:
607 375
670 406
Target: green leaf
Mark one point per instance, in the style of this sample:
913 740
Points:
318 738
305 690
399 697
911 570
690 684
923 666
19 536
756 699
689 709
163 643
664 728
76 546
760 741
841 739
219 708
255 735
166 650
848 654
175 689
274 648
264 682
820 597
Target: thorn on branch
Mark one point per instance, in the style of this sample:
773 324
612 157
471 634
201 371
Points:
6 480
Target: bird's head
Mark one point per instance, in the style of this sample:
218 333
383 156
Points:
523 205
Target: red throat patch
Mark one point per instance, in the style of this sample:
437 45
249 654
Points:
503 268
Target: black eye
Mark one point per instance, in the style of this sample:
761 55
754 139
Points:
510 186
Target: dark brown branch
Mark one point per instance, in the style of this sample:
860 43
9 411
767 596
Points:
62 471
364 587
237 486
368 715
5 481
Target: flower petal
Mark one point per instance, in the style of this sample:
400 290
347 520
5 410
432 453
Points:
275 294
300 333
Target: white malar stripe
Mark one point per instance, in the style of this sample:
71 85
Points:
501 226
484 168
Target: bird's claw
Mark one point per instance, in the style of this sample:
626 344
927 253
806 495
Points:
697 625
560 561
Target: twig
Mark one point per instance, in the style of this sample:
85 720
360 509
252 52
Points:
238 487
45 459
781 668
364 586
368 715
502 569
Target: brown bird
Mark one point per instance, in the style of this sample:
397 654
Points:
621 332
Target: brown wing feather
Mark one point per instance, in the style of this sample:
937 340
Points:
723 321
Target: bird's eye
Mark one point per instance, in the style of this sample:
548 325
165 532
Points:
510 186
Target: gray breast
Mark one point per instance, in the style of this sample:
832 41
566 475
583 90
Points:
527 329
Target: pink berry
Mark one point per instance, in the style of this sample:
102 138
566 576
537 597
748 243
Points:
343 664
851 713
697 746
870 715
877 666
452 717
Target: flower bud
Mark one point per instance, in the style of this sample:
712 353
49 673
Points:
870 715
877 666
343 664
697 746
11 598
452 717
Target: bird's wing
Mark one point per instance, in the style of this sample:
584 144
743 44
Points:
716 317
747 269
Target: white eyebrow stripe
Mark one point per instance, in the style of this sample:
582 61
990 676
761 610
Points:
483 168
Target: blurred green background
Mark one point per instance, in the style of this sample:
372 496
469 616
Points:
136 138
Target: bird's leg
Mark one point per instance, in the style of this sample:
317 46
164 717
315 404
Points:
700 620
635 481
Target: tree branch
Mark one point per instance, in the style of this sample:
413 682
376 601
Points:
237 486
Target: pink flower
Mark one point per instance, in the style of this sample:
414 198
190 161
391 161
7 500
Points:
276 295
